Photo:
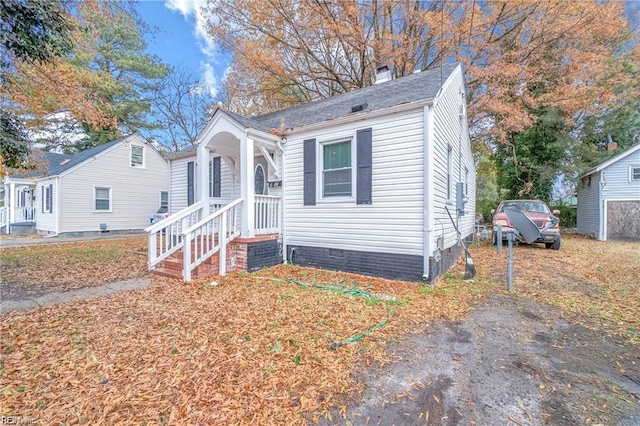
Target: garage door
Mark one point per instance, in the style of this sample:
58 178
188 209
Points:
623 220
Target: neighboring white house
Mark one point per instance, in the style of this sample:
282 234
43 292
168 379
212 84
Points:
609 198
115 187
362 182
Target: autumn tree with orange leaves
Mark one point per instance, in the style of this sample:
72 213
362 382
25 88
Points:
521 57
104 82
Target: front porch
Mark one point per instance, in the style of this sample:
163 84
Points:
230 211
18 215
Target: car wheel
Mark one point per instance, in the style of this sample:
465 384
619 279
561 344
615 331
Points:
548 245
555 245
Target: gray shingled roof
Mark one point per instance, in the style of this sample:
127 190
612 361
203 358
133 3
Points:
59 163
412 88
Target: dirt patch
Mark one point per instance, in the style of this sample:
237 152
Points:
512 361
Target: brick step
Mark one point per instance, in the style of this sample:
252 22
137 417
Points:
170 273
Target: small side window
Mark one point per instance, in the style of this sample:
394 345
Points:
164 202
102 199
137 156
635 173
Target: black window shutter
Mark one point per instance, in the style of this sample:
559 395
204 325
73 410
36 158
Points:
50 198
309 164
43 198
190 183
216 176
364 172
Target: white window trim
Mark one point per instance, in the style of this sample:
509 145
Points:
110 199
634 166
332 199
144 157
47 207
160 195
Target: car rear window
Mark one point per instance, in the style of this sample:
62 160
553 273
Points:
525 206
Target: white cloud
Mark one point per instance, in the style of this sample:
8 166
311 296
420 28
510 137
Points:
194 8
209 80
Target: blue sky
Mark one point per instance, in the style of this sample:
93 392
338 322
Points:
180 38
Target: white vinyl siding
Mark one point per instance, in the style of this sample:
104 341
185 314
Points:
46 221
134 190
588 210
450 132
393 222
616 179
229 187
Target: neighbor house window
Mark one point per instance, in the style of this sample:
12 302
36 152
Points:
102 199
137 156
635 173
466 181
47 199
164 201
336 169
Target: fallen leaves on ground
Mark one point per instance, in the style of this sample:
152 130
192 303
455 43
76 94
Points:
253 350
38 269
597 282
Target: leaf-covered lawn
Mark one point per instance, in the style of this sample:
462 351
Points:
254 350
41 268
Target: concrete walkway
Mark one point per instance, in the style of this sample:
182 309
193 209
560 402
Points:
17 241
57 297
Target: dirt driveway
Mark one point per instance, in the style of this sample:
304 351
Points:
513 360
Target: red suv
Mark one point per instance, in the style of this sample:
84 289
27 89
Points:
538 212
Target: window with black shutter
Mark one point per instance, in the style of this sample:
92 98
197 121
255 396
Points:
214 177
364 172
190 183
309 164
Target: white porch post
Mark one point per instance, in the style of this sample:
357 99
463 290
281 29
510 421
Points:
246 186
12 202
202 187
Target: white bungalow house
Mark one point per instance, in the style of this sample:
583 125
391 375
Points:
115 187
609 198
371 182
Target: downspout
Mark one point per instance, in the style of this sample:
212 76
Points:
58 206
283 200
427 198
601 201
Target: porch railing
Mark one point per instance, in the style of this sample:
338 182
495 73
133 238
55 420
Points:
4 219
267 214
25 214
209 236
166 236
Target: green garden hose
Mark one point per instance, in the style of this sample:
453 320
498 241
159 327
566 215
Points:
351 291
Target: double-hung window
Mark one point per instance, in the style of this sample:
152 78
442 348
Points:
102 199
635 173
137 156
336 169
